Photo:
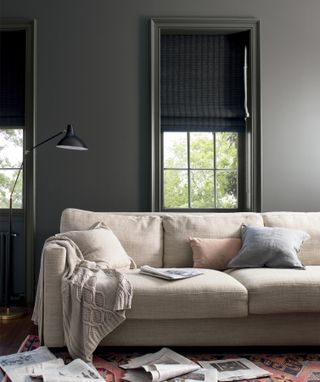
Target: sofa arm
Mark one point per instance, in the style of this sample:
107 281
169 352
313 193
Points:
54 262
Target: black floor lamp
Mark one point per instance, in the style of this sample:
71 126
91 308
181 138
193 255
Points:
71 142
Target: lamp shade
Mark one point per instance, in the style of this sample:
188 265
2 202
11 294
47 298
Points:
70 141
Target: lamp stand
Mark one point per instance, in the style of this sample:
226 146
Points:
11 313
8 312
71 142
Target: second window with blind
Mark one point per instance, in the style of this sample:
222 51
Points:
203 114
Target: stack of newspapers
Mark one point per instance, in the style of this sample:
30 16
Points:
42 365
167 365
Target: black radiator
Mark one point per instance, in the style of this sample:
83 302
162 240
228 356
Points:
4 265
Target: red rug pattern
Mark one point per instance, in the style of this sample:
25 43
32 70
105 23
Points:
284 367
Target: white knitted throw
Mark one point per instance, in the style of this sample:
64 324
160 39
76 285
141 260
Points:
94 301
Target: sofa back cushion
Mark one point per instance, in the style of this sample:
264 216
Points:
141 235
305 221
179 228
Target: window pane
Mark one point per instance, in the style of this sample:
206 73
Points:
11 148
202 188
175 189
7 178
227 186
201 150
175 150
227 150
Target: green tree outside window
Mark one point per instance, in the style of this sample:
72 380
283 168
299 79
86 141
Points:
11 154
200 170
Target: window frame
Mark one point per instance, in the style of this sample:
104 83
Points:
251 140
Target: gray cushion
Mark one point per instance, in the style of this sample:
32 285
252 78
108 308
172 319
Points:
269 247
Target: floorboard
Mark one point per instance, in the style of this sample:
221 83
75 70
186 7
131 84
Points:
13 332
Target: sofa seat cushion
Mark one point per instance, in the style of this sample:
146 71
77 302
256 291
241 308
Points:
281 290
212 294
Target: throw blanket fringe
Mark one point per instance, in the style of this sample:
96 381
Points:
94 301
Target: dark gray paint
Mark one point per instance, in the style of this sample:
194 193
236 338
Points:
93 71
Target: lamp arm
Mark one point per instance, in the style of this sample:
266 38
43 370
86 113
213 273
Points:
11 196
15 182
45 141
19 172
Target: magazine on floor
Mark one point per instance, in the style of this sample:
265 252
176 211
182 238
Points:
170 273
165 365
42 365
235 369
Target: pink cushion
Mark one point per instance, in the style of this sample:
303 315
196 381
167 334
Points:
214 253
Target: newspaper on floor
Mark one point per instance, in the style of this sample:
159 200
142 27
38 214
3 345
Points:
12 362
235 369
204 375
76 370
24 373
42 365
157 367
170 273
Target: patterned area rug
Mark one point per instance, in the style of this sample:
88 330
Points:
284 367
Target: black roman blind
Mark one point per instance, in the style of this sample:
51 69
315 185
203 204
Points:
12 78
203 82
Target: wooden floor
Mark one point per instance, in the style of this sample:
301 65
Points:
13 332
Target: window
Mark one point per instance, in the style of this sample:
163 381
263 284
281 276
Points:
205 115
12 113
200 170
11 152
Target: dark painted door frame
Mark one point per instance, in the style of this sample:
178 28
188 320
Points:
29 26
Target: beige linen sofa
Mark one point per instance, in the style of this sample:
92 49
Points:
260 306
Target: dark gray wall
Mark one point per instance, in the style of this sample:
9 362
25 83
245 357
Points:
93 71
